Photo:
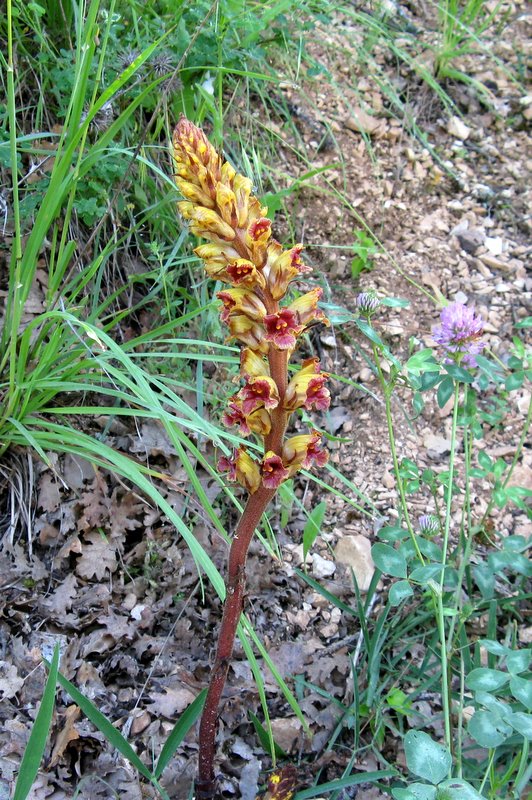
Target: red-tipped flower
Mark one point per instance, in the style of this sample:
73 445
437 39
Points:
307 388
259 392
282 329
273 471
301 452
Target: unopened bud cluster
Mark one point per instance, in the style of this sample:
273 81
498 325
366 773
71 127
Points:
258 271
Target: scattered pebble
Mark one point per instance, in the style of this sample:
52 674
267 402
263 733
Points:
457 128
321 567
355 552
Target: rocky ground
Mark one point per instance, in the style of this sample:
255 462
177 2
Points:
136 630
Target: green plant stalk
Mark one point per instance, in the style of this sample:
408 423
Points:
464 561
386 390
446 704
444 656
14 306
460 725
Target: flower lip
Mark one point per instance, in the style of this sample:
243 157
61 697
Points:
244 271
259 391
273 471
282 328
259 228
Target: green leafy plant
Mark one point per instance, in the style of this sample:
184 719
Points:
364 248
462 23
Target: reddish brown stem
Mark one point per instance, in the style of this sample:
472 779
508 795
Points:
235 585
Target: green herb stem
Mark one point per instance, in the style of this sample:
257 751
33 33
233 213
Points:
387 392
444 656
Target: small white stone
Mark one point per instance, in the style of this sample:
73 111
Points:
355 553
494 244
136 612
461 297
458 129
321 567
437 444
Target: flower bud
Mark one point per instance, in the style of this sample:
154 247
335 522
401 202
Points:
205 222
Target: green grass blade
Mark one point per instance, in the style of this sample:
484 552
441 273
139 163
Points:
270 747
34 751
179 731
312 527
101 722
265 739
325 593
244 627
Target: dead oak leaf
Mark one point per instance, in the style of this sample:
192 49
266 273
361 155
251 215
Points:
124 513
67 734
171 702
49 495
95 504
98 556
60 601
10 681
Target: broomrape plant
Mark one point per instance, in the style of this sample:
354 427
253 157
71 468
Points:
258 271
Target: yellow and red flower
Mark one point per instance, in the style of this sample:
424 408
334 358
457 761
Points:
248 332
240 300
282 329
241 252
306 307
252 364
244 271
241 468
273 470
257 421
259 392
301 452
284 267
307 388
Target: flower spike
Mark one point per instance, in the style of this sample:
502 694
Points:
239 251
